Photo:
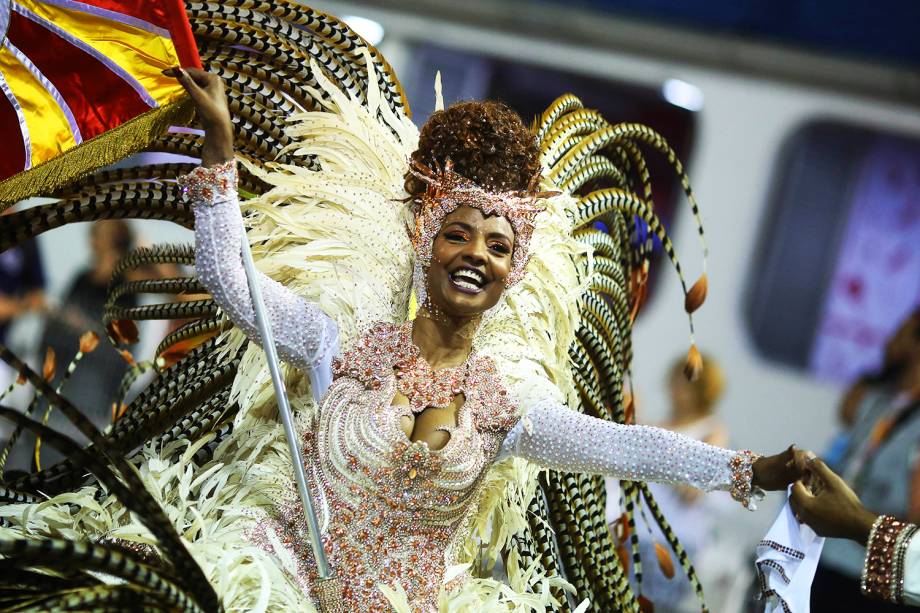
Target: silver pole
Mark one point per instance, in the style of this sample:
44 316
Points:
284 408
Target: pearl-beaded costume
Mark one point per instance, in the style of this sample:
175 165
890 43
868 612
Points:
392 507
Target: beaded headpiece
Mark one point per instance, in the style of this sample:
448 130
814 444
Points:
448 191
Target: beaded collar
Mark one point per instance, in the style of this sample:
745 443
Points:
386 348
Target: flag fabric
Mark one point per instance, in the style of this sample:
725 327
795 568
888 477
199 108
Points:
81 85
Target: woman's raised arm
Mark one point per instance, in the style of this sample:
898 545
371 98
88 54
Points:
304 335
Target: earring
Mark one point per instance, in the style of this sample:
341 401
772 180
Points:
420 284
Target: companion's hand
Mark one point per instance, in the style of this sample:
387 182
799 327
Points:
777 472
826 503
207 92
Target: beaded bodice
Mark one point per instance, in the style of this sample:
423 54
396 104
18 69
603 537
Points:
391 507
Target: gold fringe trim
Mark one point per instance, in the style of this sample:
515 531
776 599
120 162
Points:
107 148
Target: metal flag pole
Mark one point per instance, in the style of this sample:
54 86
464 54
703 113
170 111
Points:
328 589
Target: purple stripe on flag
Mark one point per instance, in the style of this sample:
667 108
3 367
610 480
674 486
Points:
129 20
4 18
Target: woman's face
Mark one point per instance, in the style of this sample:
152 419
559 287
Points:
470 259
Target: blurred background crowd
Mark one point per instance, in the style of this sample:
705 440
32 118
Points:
799 123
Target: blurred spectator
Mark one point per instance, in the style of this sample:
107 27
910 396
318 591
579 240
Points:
693 403
22 291
94 385
693 516
896 350
880 463
22 282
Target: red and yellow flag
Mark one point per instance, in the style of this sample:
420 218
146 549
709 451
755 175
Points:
81 85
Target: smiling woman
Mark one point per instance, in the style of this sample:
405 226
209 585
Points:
422 437
414 415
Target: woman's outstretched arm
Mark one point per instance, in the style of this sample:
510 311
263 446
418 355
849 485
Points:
554 436
304 335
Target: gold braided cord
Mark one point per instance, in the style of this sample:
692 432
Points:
107 148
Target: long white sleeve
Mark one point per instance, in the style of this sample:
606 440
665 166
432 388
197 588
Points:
557 437
304 335
911 573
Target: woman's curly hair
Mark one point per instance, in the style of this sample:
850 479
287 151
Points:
487 142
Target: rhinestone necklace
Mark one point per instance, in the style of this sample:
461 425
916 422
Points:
417 381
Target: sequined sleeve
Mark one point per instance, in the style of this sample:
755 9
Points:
557 437
909 578
304 335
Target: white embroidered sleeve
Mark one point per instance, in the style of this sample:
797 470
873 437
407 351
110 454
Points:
556 437
304 335
910 571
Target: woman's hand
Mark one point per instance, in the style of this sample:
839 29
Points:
207 92
777 472
830 507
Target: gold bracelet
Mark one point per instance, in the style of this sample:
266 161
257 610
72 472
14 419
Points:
742 476
202 184
878 569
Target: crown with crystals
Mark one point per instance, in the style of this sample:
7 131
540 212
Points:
447 191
